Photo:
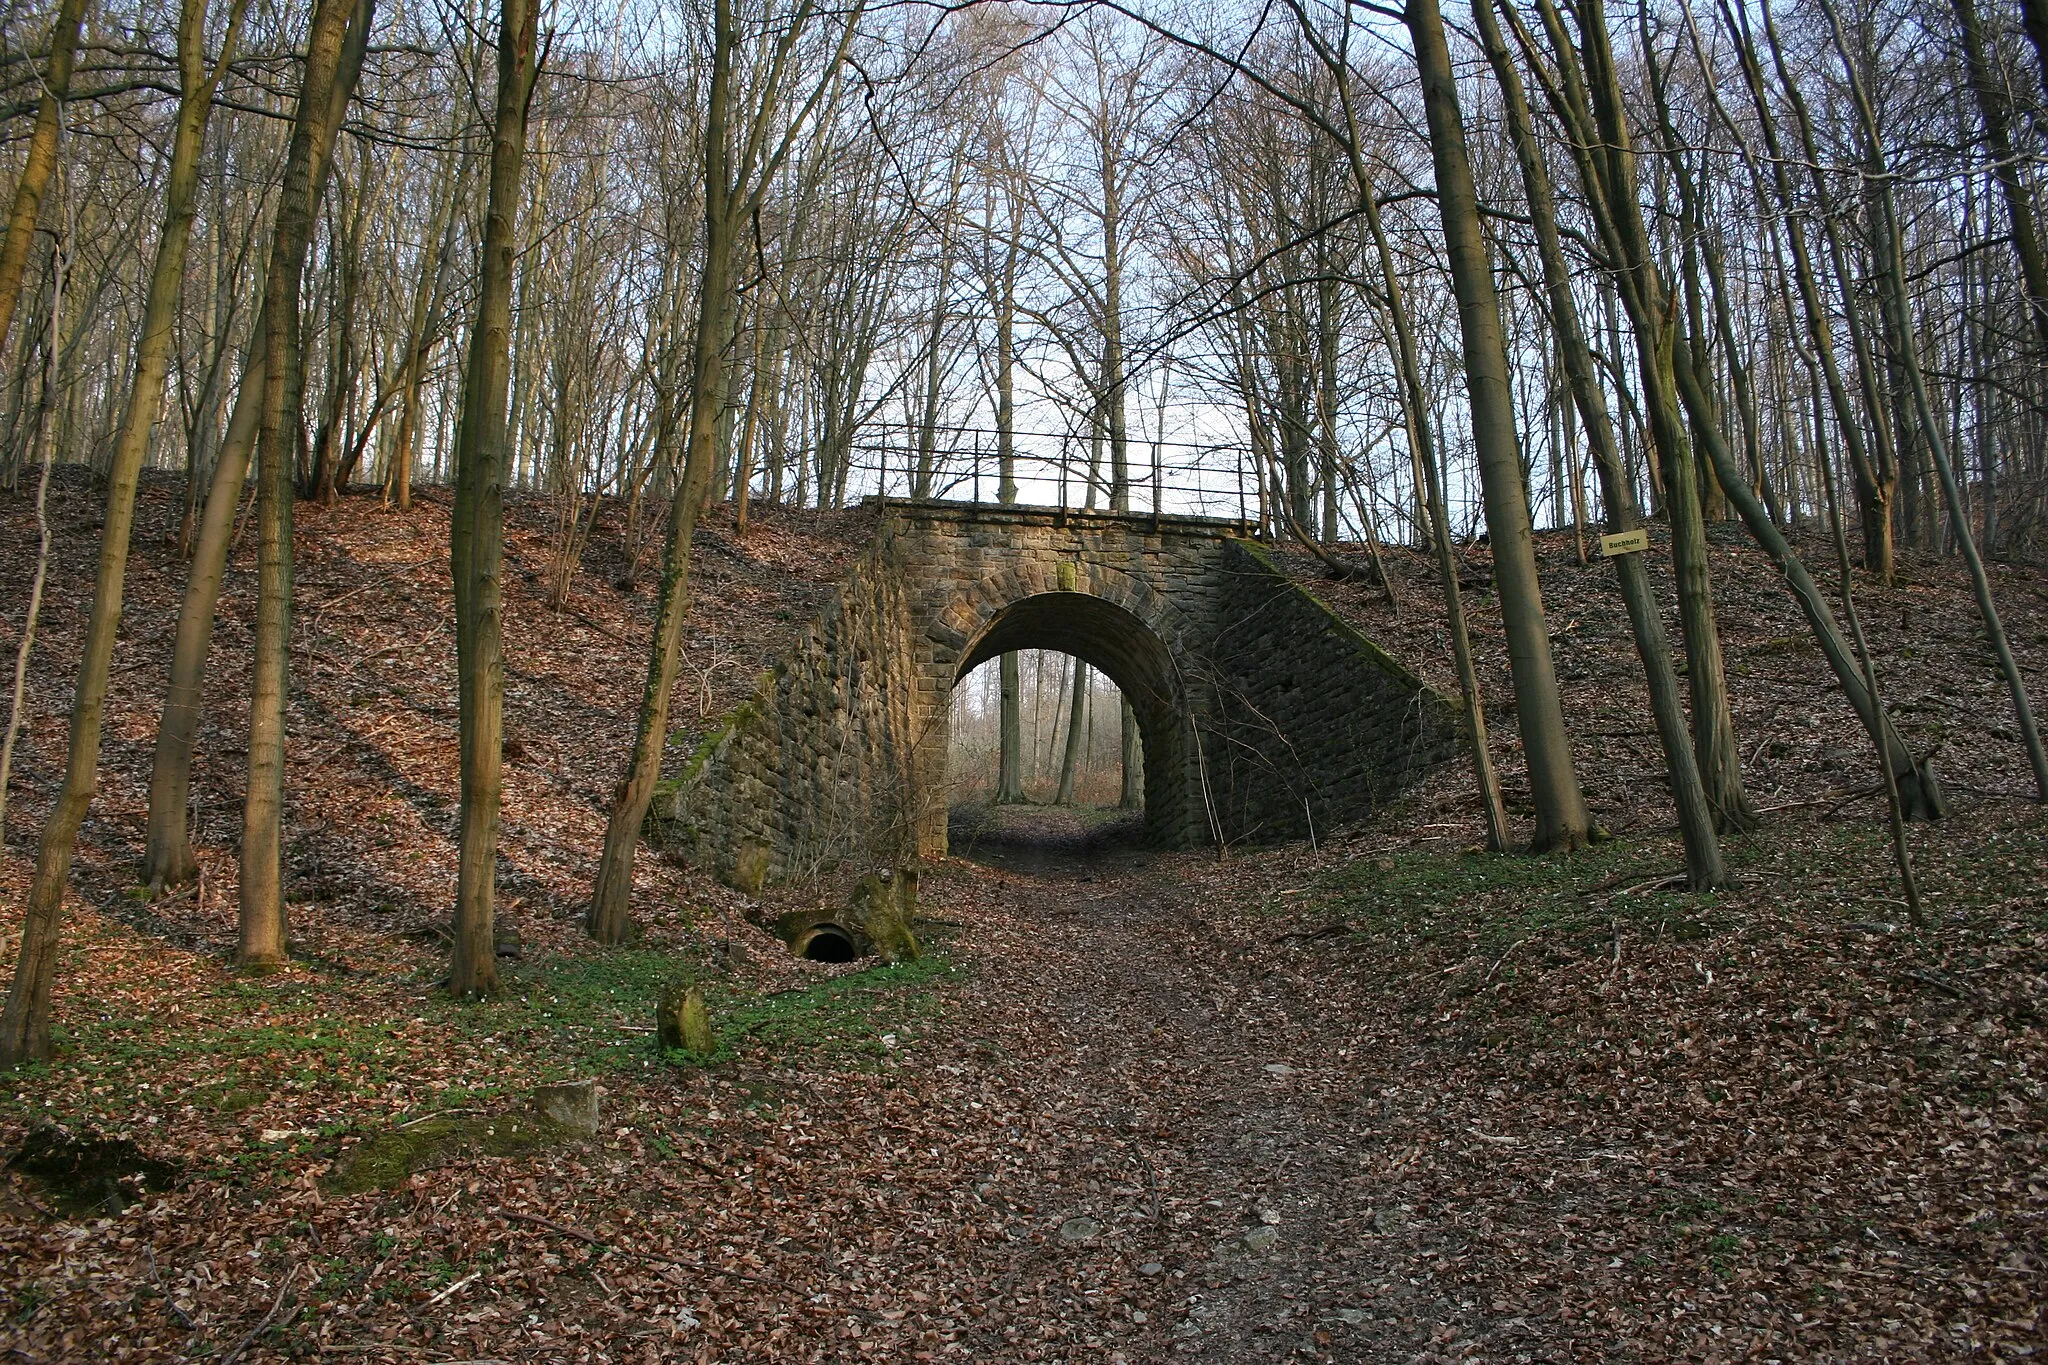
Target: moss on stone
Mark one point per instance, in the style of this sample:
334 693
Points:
384 1161
730 724
884 905
693 767
683 1024
750 866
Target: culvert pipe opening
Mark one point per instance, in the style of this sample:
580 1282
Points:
828 943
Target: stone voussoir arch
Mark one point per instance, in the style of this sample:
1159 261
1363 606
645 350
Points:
1115 621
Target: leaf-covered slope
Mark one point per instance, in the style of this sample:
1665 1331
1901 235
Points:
1799 740
372 779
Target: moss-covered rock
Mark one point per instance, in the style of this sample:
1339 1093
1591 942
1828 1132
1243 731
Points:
750 868
885 908
386 1160
683 1023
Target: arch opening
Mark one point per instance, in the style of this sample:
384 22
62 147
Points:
1127 661
1065 735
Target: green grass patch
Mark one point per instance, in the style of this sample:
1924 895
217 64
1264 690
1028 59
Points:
1490 901
848 1015
583 1014
327 1047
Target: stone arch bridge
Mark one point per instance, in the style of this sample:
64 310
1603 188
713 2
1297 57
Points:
1262 715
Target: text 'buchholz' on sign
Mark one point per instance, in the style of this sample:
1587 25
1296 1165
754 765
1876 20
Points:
1625 542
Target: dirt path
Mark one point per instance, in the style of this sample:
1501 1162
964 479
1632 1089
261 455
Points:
1200 1194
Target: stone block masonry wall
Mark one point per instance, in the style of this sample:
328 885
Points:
815 767
1262 714
1314 725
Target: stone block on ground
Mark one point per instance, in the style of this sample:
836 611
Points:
684 1024
572 1105
885 907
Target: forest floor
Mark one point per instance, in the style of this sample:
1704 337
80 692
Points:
1387 1098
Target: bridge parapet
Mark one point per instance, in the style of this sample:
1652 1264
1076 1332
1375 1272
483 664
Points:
1029 514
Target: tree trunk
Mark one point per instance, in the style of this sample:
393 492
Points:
610 916
1133 794
40 440
167 858
2005 168
1010 766
329 475
1601 146
1877 485
476 526
1704 867
420 338
924 471
1919 793
40 162
25 1025
261 944
1113 385
1432 524
1006 358
743 460
1037 713
1070 758
1871 460
1899 308
2034 18
1894 806
1561 819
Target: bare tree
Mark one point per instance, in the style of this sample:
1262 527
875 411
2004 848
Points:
41 161
477 525
1561 819
741 157
1695 813
25 1025
167 858
261 944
